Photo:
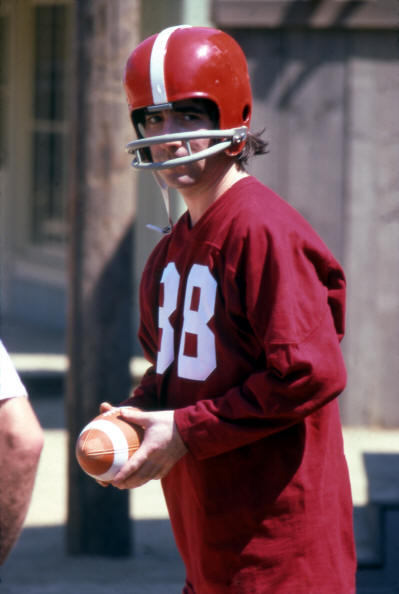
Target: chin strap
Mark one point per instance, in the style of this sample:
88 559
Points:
166 200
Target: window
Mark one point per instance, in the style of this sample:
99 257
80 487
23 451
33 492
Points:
4 58
49 131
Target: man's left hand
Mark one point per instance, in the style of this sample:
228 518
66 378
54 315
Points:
159 451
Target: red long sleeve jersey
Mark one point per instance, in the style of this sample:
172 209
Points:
241 316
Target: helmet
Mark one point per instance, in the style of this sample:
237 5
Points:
185 62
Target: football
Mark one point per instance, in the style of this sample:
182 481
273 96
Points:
106 443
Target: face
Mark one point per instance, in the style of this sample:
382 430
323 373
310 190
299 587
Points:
186 116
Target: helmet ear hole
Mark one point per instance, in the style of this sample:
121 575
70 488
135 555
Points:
246 113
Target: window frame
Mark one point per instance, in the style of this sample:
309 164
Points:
45 262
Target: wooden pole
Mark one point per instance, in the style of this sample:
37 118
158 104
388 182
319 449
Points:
100 260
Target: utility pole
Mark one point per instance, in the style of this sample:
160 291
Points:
100 259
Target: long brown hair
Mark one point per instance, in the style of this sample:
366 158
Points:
255 145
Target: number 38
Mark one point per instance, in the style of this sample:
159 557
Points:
195 322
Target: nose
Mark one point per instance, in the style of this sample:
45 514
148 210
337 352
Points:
170 124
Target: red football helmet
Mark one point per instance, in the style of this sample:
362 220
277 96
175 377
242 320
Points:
185 62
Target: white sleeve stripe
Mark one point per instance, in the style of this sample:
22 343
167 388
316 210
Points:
157 62
10 383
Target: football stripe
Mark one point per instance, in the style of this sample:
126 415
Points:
157 61
120 445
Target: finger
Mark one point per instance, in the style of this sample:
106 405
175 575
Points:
132 466
144 464
144 474
133 415
105 406
131 483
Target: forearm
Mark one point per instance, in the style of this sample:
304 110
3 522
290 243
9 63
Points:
15 495
298 380
21 442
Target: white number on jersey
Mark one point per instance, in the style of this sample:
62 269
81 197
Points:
170 279
199 308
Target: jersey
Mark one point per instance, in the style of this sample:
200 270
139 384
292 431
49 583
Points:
241 318
10 383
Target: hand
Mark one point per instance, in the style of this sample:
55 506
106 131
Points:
105 407
161 448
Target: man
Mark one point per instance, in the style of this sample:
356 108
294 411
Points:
21 442
242 311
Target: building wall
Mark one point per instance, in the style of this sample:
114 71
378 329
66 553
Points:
326 88
33 261
326 85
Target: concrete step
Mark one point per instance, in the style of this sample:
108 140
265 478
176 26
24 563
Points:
368 535
373 460
383 578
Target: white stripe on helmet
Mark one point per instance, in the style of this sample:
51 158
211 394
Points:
157 62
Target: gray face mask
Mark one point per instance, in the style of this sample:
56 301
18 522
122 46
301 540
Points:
139 148
227 138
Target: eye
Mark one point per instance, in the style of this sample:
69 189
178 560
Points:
152 119
190 116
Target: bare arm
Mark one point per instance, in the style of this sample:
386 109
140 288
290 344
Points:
21 442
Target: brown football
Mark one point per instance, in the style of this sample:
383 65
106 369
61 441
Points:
106 443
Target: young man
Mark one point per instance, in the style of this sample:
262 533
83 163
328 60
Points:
21 442
242 311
